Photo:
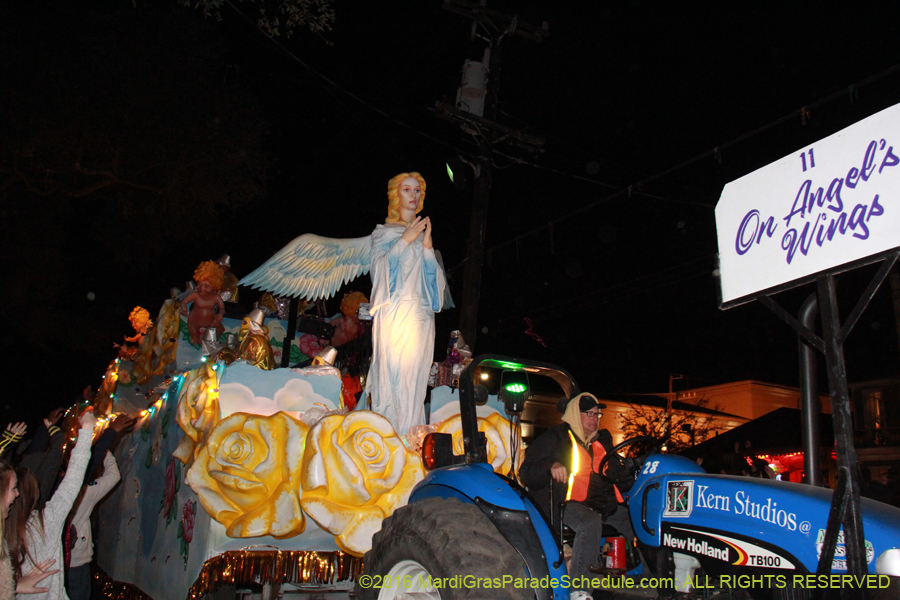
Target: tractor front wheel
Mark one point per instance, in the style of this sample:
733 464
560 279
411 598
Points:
441 549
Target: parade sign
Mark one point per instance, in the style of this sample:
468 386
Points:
832 203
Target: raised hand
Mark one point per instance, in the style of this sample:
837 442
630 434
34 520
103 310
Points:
413 230
54 417
426 241
17 429
87 419
121 423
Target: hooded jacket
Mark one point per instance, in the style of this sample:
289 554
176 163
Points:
553 446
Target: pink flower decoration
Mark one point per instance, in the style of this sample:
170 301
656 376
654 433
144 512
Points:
187 522
309 344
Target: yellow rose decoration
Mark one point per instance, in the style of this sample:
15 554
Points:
247 475
356 472
496 430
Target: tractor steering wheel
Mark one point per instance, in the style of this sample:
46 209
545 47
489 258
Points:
636 462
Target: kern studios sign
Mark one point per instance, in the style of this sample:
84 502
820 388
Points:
832 203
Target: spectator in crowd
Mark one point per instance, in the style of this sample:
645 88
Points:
883 487
78 577
34 535
26 584
10 438
105 442
79 541
44 455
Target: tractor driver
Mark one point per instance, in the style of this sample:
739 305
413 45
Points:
548 462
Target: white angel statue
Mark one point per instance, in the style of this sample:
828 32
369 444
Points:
408 287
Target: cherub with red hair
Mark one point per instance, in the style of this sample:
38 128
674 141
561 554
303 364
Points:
209 309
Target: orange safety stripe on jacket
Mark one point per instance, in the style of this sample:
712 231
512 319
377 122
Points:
579 485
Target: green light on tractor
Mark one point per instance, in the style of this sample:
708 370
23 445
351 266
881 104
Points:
510 365
450 173
514 389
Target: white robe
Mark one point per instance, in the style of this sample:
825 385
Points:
408 287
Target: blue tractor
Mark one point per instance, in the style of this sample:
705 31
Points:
468 532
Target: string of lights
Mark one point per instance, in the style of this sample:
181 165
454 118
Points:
161 391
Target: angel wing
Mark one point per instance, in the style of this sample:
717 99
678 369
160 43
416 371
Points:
312 267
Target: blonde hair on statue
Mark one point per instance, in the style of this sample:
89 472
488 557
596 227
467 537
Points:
394 197
140 319
212 273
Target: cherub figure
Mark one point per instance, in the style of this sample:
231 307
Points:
140 320
346 325
208 309
408 288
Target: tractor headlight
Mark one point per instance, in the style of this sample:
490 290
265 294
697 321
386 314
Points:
888 563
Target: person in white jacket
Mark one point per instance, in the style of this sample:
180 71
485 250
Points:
42 536
78 577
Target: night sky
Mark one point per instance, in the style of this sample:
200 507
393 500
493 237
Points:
141 138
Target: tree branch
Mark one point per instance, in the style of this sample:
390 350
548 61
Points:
112 179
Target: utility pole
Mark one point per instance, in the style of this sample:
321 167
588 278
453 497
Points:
894 278
671 397
488 132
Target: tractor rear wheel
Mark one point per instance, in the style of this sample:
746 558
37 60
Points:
441 549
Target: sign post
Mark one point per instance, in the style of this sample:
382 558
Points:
825 209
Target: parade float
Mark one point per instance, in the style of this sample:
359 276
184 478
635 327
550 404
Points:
238 474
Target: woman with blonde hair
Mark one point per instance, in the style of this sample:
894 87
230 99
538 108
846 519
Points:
408 287
393 195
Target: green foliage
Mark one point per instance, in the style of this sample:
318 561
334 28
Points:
166 421
296 355
282 16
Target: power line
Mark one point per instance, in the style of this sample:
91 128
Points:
631 190
321 76
637 187
643 284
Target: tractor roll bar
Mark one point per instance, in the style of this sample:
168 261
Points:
476 448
